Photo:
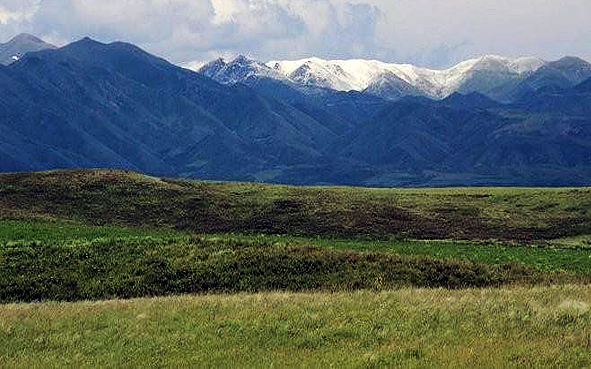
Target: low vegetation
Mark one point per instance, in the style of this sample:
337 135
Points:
44 260
406 328
146 266
105 197
246 274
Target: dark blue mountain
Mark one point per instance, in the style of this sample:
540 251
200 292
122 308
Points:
340 111
472 100
468 139
584 87
91 104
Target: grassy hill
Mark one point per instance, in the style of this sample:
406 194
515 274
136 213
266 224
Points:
257 275
108 197
95 234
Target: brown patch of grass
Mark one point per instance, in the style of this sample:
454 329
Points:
122 198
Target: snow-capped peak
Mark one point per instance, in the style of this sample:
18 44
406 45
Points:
238 70
528 64
358 74
520 65
479 74
343 75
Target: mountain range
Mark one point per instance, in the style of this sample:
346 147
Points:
500 78
90 104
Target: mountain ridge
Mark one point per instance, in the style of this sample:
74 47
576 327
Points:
90 104
19 45
391 80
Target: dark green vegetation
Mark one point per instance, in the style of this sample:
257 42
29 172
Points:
147 266
95 234
572 255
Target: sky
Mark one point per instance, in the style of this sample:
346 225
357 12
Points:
431 33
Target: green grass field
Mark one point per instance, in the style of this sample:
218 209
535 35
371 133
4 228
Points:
43 260
405 328
108 268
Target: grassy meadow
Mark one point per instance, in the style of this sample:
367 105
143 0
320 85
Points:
408 328
110 268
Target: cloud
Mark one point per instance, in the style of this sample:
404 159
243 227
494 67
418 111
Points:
253 22
268 29
331 29
187 30
430 32
16 11
137 20
543 28
443 55
18 6
15 16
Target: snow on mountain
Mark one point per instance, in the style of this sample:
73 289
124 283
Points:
192 65
238 70
357 74
342 75
21 44
528 64
387 80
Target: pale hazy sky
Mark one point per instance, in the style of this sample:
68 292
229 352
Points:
434 33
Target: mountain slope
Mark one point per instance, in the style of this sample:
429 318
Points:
94 104
238 70
19 46
339 111
389 86
91 104
496 77
564 73
387 79
472 140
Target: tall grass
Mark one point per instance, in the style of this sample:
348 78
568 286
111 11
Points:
410 328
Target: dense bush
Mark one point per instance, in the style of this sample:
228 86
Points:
148 266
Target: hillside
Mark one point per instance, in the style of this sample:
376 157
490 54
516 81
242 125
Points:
110 197
19 45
